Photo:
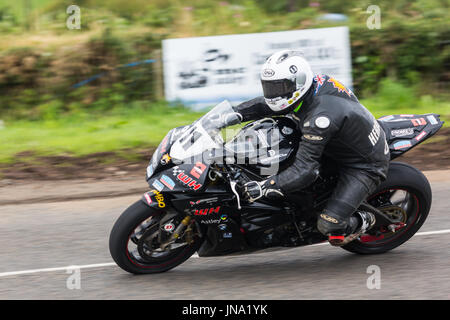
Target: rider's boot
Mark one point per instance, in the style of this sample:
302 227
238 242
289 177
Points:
341 232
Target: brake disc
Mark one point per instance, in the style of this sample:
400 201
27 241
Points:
149 244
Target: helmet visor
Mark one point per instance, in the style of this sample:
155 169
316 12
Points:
278 88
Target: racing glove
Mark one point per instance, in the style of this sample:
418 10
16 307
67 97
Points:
255 190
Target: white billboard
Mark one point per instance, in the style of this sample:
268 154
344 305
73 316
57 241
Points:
205 70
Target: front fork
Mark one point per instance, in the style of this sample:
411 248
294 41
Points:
178 232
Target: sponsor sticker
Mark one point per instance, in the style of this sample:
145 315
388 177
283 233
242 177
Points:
227 235
432 119
222 227
169 227
402 144
206 211
158 185
191 183
421 135
165 159
167 182
402 132
148 198
418 122
208 200
159 198
198 170
210 221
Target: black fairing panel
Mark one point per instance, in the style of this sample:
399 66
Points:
180 178
405 131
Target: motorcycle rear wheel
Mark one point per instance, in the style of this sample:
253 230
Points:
406 194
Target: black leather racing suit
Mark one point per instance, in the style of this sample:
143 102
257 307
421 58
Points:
335 124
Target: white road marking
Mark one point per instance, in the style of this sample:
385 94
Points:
432 232
97 265
195 255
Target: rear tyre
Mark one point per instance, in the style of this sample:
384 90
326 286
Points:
136 237
406 196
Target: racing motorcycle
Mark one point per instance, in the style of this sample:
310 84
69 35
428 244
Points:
195 202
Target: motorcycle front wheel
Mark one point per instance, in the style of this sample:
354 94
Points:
139 239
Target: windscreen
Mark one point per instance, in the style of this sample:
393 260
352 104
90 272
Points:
221 116
204 134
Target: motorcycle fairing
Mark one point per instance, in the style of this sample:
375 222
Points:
161 156
405 131
155 199
180 178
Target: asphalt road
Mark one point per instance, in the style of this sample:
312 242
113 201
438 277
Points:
60 234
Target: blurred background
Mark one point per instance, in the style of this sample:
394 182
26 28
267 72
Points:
83 106
93 96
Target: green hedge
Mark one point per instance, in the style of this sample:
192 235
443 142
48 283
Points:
411 48
34 84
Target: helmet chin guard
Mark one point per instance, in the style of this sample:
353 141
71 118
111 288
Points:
285 78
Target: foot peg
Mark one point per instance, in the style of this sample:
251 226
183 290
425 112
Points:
367 222
336 240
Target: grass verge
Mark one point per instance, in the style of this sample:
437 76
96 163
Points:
83 134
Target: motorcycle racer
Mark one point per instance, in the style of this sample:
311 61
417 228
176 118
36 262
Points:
334 124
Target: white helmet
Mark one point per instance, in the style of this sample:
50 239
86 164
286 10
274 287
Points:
285 77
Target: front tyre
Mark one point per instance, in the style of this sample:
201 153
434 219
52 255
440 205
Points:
406 197
136 238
